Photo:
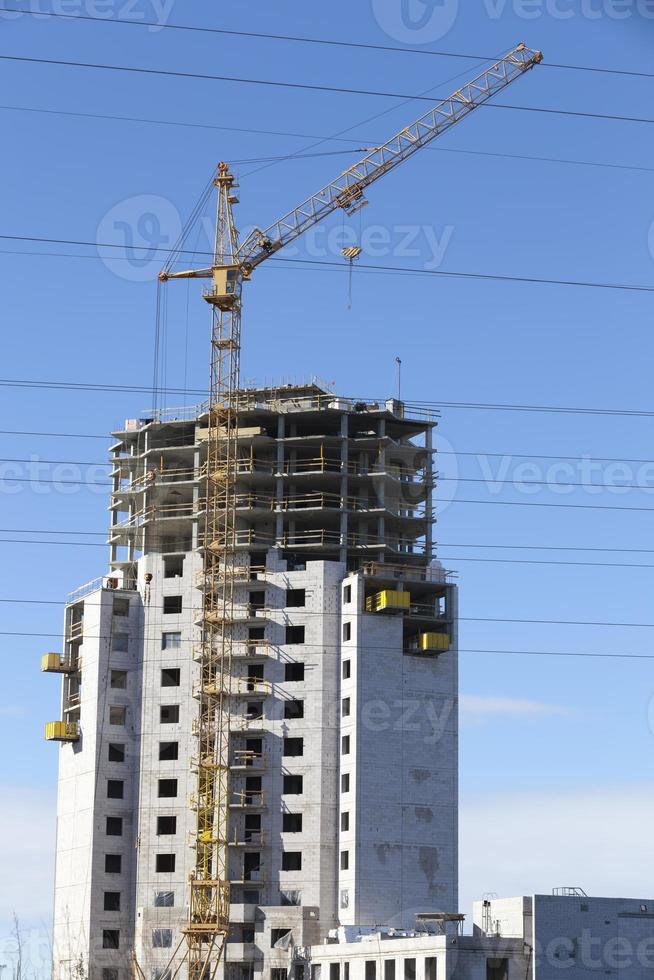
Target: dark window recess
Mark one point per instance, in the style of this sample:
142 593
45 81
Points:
254 710
345 707
118 679
292 823
345 821
345 782
346 669
166 826
109 973
292 861
253 749
293 709
410 969
114 826
346 971
497 969
293 746
295 598
291 897
162 938
371 970
258 600
252 827
113 863
345 860
164 900
294 634
294 672
255 675
168 751
276 935
430 968
117 714
345 744
167 787
110 939
293 785
389 970
116 752
169 714
257 633
172 604
170 677
165 863
347 631
347 593
115 789
174 566
120 606
334 971
278 973
112 901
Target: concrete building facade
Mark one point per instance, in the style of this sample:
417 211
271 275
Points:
343 749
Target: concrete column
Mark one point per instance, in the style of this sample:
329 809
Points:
429 509
345 486
279 482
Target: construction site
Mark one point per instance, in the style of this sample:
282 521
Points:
258 763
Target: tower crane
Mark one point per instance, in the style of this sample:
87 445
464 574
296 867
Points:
233 264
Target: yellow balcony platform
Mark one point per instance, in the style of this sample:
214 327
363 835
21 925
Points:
388 601
62 731
433 642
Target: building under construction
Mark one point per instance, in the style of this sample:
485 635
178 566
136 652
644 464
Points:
263 750
342 805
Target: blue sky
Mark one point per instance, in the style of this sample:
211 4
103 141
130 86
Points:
544 738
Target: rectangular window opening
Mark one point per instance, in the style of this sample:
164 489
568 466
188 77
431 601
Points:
168 751
166 826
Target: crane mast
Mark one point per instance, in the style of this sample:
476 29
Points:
233 263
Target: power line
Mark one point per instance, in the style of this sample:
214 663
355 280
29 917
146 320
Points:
305 86
530 280
518 653
464 619
297 156
401 270
358 45
65 435
488 481
449 559
583 458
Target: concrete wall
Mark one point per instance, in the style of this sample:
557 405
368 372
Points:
83 804
584 937
457 958
403 797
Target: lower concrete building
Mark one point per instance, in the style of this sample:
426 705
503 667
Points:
540 937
